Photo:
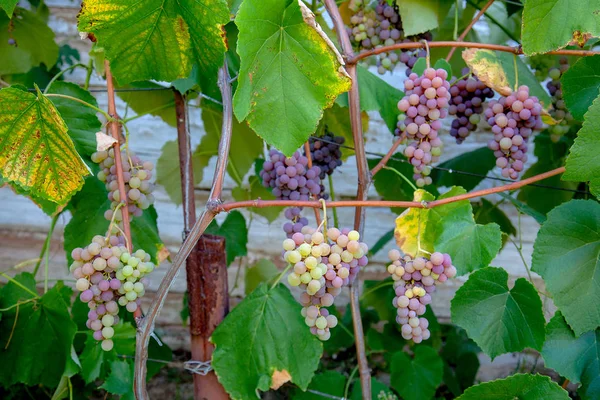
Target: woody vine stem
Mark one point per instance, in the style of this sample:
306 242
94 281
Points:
215 205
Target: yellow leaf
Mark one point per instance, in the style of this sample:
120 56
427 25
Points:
410 226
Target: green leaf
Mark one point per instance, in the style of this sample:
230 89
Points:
94 360
566 254
160 103
583 163
284 107
499 320
376 95
88 208
382 242
120 380
336 120
377 390
80 119
263 271
417 378
168 172
575 358
37 153
518 386
264 336
486 212
329 382
389 185
256 190
524 208
156 39
378 295
34 43
452 229
235 232
580 85
35 337
546 28
420 16
8 6
497 70
479 161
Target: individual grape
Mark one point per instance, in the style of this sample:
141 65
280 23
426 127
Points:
513 120
12 42
425 104
414 281
325 153
467 96
322 265
136 174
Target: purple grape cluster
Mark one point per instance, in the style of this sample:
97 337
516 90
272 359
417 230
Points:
326 153
425 104
296 221
513 120
108 276
321 268
136 173
290 178
414 281
467 96
559 110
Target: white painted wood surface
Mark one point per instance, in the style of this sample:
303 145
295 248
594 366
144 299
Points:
23 226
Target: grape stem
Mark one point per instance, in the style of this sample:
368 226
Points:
347 388
61 73
281 275
85 103
19 284
388 155
401 175
46 246
469 27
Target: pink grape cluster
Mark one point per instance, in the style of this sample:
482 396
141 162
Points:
108 276
513 120
559 109
414 281
322 266
425 104
466 103
290 178
136 173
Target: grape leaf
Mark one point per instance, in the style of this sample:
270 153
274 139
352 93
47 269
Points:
88 208
279 94
46 206
8 6
580 85
261 272
34 43
524 208
168 170
94 360
575 358
452 229
377 388
381 242
391 186
36 152
411 223
235 232
28 356
160 103
420 16
518 386
566 254
418 378
583 163
329 382
479 161
499 320
156 39
486 212
553 24
378 295
120 380
497 70
255 190
263 340
376 95
81 120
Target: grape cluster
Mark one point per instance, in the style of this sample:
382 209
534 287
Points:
296 221
425 104
321 268
136 173
290 178
559 111
513 120
325 153
108 276
414 281
467 96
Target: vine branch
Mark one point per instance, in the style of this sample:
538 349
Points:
469 27
146 324
382 163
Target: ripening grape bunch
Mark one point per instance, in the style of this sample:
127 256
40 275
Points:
513 120
108 276
326 153
322 265
559 109
467 97
136 173
425 104
414 282
295 221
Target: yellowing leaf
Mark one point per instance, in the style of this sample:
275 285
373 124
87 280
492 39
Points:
36 153
411 224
